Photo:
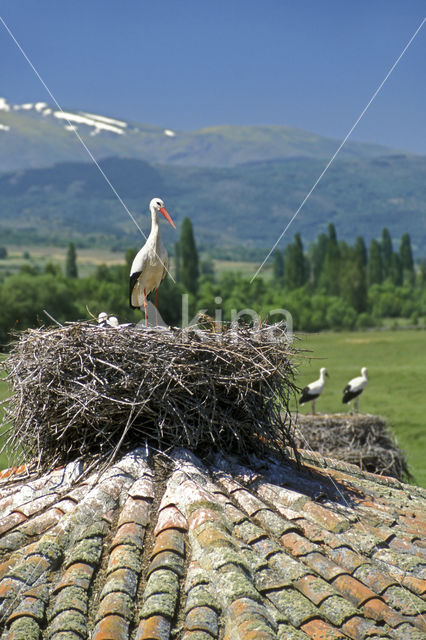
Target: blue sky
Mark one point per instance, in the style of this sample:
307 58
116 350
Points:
189 64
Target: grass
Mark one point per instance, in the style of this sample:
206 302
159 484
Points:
87 259
397 371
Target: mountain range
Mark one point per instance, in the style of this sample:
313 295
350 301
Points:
37 135
239 185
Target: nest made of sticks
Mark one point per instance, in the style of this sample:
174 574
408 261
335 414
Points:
364 440
82 391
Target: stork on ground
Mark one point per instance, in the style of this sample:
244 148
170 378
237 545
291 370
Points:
313 391
354 388
150 265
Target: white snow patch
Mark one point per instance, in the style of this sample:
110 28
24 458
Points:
119 123
99 126
70 127
26 107
4 105
39 106
169 132
47 112
4 127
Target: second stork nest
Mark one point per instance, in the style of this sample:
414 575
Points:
82 391
361 439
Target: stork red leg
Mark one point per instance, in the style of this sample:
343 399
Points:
156 307
145 305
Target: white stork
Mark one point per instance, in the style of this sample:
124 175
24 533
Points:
314 389
354 388
149 267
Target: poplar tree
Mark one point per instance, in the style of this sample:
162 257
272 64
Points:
396 270
361 250
295 265
318 252
71 270
278 265
387 251
331 268
354 280
406 257
375 265
189 270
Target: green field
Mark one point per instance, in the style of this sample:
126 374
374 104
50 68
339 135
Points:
397 372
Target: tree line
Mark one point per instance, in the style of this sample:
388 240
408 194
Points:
329 285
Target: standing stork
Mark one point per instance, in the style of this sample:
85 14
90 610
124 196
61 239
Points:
313 391
149 267
354 388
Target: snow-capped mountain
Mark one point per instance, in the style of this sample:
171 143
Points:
37 134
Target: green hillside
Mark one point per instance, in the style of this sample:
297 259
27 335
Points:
244 205
35 138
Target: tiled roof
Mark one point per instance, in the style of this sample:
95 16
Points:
150 551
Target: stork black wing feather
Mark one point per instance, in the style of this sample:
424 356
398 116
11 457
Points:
349 395
307 397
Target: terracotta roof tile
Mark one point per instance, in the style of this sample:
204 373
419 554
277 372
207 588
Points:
405 602
415 585
326 517
112 626
359 628
378 610
78 574
202 618
297 545
12 520
296 608
230 552
353 589
170 518
116 603
155 627
325 567
337 610
407 632
373 578
347 558
249 620
317 629
314 588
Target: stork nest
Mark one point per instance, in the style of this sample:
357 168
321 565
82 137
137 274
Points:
364 440
82 392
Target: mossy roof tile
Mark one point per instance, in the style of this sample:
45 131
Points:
24 628
116 603
294 605
314 588
125 580
404 602
235 553
202 618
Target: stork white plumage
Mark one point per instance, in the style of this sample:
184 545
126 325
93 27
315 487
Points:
149 267
313 391
102 319
354 388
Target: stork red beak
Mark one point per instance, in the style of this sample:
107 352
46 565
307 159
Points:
166 214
